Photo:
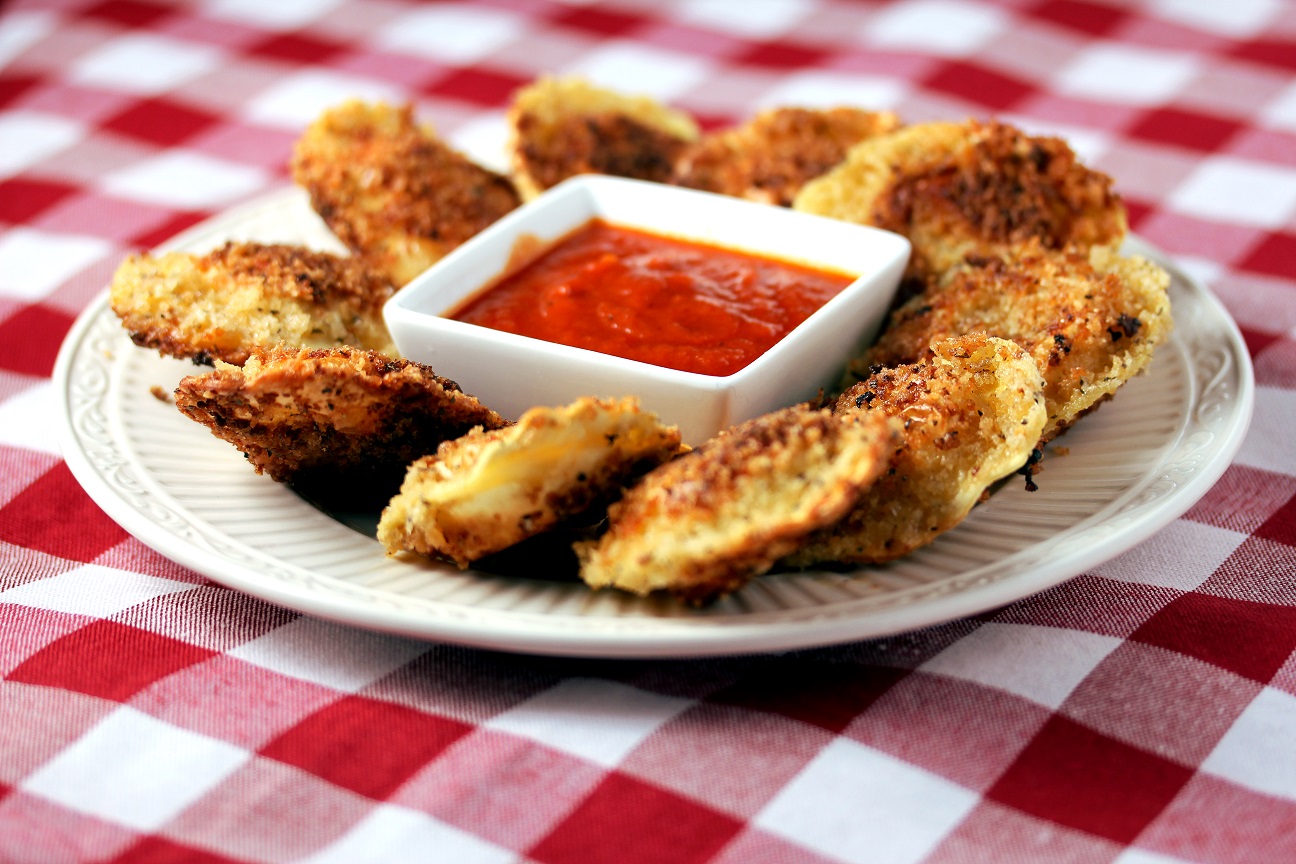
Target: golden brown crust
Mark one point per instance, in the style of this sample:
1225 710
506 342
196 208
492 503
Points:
491 489
343 418
706 523
769 158
244 296
979 187
1091 321
391 190
561 127
972 411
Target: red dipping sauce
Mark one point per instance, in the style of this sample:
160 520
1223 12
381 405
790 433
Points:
660 300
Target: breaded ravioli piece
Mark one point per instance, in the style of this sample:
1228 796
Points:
561 127
1091 321
243 296
769 158
489 490
972 411
342 422
392 191
705 524
972 187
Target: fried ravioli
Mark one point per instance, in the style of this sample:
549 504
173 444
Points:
338 420
769 158
972 412
1090 321
391 190
706 523
561 127
244 296
973 187
489 490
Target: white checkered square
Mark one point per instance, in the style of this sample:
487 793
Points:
856 804
1235 190
1281 112
184 180
279 15
390 833
28 420
295 100
92 590
598 720
1043 664
1125 74
21 29
30 137
1257 751
1180 556
483 141
942 27
144 64
759 19
1268 443
1237 19
340 657
135 770
828 90
1143 856
639 69
451 34
34 263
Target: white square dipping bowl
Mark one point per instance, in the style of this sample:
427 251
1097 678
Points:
512 373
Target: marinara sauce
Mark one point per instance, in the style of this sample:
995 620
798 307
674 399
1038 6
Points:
660 300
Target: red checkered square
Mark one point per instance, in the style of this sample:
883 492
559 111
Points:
30 339
519 789
1160 701
1275 255
295 48
1077 777
665 827
1214 820
1280 53
479 86
338 743
129 13
782 55
54 515
1281 528
1093 19
22 200
956 729
695 754
978 85
601 22
160 121
15 87
160 850
234 701
107 660
1191 130
1207 628
828 695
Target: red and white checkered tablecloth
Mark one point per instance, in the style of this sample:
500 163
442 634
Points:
1142 712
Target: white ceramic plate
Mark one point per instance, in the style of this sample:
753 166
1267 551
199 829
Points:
1133 467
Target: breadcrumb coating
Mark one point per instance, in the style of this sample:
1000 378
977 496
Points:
769 158
972 411
391 190
243 296
340 419
705 524
561 127
1090 321
491 489
972 187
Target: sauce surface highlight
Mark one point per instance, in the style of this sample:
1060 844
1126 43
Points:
660 300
